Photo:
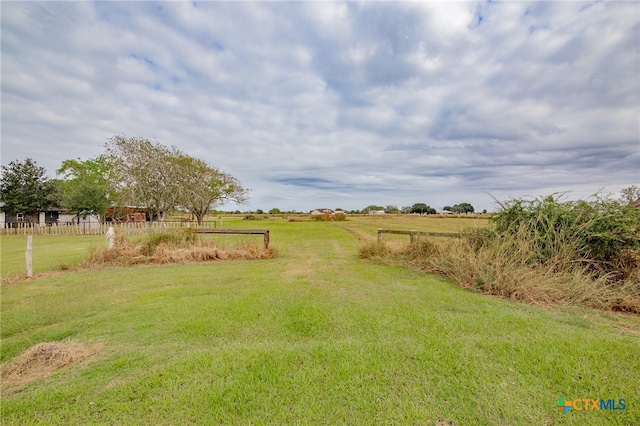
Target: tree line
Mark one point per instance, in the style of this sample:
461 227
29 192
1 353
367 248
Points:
133 171
418 208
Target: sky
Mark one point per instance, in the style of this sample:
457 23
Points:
337 104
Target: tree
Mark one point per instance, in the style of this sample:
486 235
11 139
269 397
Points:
159 178
391 209
85 187
630 194
25 188
422 208
144 174
275 211
462 208
202 186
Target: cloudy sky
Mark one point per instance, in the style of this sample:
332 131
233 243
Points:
337 104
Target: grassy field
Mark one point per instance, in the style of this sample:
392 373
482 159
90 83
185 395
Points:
314 336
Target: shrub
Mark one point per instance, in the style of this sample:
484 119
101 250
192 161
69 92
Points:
599 233
541 251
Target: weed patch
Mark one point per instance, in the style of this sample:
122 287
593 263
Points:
328 217
174 247
540 252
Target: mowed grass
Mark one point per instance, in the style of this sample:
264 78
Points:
315 336
49 252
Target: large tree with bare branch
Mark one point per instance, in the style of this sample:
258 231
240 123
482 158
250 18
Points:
204 186
159 178
145 174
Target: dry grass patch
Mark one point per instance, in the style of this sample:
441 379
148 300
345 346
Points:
175 247
42 360
541 251
504 272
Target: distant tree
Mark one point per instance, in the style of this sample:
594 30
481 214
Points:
144 174
422 208
391 209
447 208
85 187
275 211
203 186
259 211
25 188
373 208
462 208
630 194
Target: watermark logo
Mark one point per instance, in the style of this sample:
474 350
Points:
587 404
563 405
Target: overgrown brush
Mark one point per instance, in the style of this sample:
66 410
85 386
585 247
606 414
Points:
178 238
174 247
540 251
601 233
329 217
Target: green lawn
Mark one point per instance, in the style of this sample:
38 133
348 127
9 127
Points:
314 336
49 253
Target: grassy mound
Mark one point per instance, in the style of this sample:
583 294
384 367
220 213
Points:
43 359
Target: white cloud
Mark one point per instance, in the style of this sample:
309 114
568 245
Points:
337 103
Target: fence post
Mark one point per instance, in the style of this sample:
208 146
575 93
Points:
29 256
266 239
412 236
379 235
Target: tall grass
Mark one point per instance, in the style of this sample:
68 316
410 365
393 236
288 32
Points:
541 251
328 217
176 246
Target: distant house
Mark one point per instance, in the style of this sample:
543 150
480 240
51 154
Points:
377 212
86 221
128 214
44 217
317 212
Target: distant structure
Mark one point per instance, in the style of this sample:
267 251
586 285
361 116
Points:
317 212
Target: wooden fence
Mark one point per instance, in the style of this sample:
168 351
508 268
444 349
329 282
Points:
26 228
264 232
413 234
129 228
